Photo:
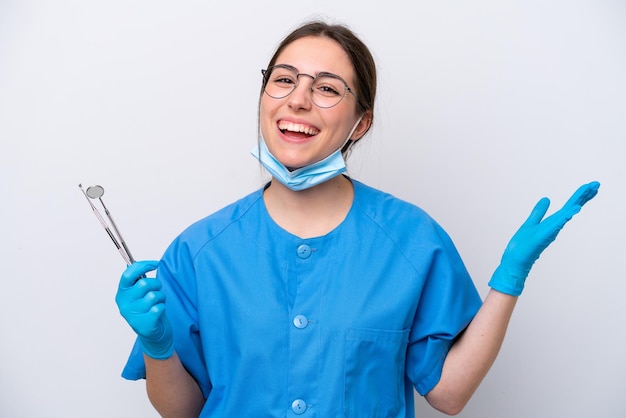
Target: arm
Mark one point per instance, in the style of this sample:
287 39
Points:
472 355
171 389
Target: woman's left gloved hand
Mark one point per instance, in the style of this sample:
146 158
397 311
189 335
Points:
533 237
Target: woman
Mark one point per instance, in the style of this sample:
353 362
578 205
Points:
318 295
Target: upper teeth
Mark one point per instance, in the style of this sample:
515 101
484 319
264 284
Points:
297 127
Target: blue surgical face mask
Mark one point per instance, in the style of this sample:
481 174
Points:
307 176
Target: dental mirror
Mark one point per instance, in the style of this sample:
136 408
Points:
95 192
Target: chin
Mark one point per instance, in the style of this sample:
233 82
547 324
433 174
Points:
294 166
293 162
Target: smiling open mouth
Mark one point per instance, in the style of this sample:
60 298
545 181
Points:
297 128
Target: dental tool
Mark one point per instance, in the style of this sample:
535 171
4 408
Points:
96 192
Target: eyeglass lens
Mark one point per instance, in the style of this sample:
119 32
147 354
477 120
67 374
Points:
326 90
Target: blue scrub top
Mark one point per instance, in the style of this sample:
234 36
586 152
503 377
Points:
346 324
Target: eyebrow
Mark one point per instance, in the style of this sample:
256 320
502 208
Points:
319 73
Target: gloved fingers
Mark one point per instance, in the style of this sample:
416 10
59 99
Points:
150 324
139 290
139 303
149 301
538 212
533 238
585 193
136 271
158 309
573 205
142 287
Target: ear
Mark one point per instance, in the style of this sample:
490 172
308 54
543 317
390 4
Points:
363 126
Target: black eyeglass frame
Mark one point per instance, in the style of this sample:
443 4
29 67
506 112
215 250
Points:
267 71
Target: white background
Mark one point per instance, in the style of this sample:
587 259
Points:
484 107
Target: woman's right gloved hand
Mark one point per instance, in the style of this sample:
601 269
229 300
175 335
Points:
142 304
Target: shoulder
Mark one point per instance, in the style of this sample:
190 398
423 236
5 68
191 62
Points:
178 268
387 209
208 228
415 234
405 223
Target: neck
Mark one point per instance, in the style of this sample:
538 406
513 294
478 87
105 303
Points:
312 212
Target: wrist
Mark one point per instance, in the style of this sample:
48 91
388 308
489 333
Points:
158 351
504 281
161 347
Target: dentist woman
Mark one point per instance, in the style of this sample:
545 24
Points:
317 295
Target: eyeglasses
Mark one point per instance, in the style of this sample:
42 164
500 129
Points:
326 89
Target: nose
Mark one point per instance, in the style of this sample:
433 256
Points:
300 97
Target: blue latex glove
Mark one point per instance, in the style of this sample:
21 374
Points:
142 304
533 237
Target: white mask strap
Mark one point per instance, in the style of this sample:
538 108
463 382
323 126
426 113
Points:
350 134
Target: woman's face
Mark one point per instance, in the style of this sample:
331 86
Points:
296 131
